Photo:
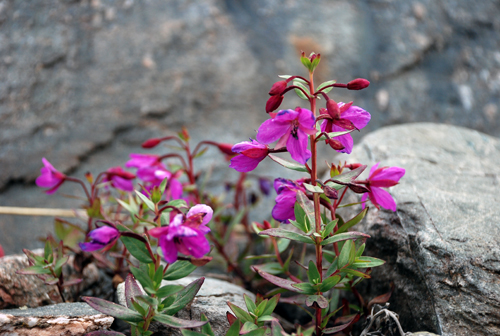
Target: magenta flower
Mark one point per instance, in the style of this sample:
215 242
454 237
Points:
290 128
50 177
344 117
185 234
251 153
283 211
119 178
142 160
100 238
384 177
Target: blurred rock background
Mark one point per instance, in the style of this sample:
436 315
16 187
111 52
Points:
84 83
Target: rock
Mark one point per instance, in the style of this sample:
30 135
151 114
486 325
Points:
64 319
84 83
18 290
211 299
442 246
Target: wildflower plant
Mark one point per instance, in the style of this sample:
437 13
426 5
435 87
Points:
310 203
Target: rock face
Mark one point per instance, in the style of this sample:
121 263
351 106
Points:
85 82
64 319
442 246
211 299
18 290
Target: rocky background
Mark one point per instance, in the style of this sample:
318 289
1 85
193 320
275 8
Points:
83 83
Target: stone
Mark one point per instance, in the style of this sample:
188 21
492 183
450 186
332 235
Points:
211 299
19 290
64 319
85 82
442 246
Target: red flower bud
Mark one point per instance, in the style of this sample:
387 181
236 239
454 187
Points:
150 143
200 261
225 148
2 253
333 109
335 144
273 103
266 225
358 84
330 192
255 153
277 88
121 173
353 165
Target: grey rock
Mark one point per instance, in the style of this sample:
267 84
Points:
68 319
84 83
18 290
442 246
211 300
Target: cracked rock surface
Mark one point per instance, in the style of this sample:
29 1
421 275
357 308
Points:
442 246
68 319
85 82
211 299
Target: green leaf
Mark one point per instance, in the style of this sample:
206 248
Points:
257 332
308 208
280 282
234 330
288 164
271 304
346 177
355 273
355 220
283 244
305 288
329 228
60 262
301 222
186 332
336 329
296 79
271 268
240 313
299 92
345 254
313 273
146 200
313 189
329 283
176 322
332 268
35 270
283 233
185 296
132 289
137 249
148 300
322 85
142 276
331 135
247 327
320 300
235 220
365 262
360 251
163 185
344 236
168 290
178 203
178 270
47 252
113 309
250 304
94 211
207 329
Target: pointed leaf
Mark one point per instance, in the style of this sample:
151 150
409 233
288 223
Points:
382 299
346 177
329 283
344 236
137 248
142 276
313 273
240 313
355 220
113 309
206 329
355 273
234 330
146 200
313 189
305 288
343 259
299 92
280 282
331 135
186 332
257 332
271 304
283 233
249 303
178 270
34 270
336 329
276 329
71 282
176 322
247 327
319 300
288 164
168 290
365 262
307 206
132 289
329 228
185 296
322 85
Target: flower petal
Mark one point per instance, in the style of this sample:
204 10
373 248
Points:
271 130
197 246
201 208
359 117
363 199
307 121
345 140
391 173
372 170
383 198
298 147
169 250
243 163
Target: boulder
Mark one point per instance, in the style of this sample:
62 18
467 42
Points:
442 245
211 299
64 319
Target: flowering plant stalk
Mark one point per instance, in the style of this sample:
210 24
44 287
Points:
310 204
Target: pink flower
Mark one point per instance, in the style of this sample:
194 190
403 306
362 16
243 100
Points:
384 177
283 211
142 160
50 177
290 128
120 179
100 238
251 153
154 175
344 117
185 234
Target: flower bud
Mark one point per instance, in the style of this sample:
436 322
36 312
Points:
121 173
150 143
333 109
226 148
358 84
200 261
335 144
273 103
278 88
330 192
353 165
155 195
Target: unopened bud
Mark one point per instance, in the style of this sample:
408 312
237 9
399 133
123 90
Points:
278 88
89 177
150 143
358 84
123 174
273 103
358 188
225 148
353 165
266 225
333 108
156 195
330 192
200 261
335 144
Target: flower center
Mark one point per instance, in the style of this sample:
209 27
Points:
295 128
